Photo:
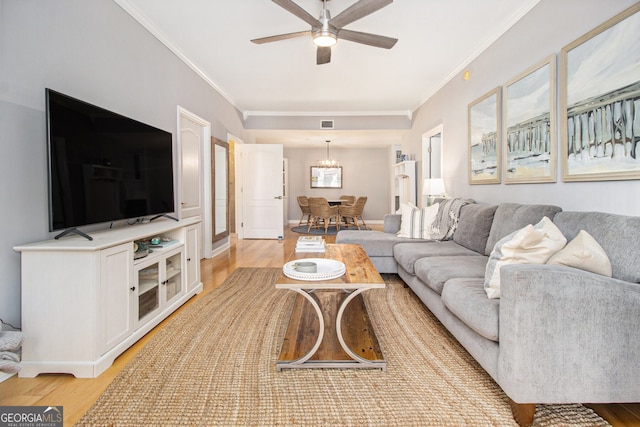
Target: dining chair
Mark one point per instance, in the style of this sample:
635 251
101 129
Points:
323 213
303 202
352 214
347 200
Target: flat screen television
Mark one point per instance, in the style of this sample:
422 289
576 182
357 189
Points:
104 166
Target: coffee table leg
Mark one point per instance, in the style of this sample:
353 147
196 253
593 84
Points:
309 296
344 345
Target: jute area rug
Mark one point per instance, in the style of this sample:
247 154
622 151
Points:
214 365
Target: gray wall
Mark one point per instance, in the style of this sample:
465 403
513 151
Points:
545 30
365 172
92 50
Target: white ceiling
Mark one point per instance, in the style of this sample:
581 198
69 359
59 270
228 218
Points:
437 39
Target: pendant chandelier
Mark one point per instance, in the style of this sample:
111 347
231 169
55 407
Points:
328 162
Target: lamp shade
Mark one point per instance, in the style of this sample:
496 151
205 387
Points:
433 187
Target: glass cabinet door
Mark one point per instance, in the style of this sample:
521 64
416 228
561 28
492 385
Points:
148 289
173 276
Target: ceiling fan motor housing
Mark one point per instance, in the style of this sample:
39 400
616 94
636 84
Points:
326 35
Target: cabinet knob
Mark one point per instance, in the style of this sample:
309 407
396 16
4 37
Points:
188 259
133 288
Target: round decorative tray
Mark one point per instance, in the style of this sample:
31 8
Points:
327 269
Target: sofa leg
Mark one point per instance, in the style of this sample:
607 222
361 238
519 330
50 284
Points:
523 412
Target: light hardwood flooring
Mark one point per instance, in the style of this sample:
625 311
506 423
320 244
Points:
77 395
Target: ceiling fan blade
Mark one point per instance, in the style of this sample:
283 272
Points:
367 38
358 10
323 55
281 37
299 12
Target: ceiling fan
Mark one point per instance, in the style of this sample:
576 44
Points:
326 30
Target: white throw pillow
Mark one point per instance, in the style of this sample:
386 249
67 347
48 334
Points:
405 218
415 222
583 252
529 245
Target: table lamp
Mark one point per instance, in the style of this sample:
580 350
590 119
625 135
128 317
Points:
432 188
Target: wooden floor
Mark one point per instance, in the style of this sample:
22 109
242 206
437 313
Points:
77 395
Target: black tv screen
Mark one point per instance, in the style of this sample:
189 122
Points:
104 166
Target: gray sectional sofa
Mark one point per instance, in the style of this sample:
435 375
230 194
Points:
557 334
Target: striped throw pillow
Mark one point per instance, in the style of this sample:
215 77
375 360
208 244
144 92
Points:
415 222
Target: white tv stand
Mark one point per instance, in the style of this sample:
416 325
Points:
85 302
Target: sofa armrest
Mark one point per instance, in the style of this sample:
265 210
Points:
567 335
392 223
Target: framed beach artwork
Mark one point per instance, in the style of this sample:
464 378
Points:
326 177
600 102
529 148
484 139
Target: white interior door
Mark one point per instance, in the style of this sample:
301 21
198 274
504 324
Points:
190 143
194 134
262 191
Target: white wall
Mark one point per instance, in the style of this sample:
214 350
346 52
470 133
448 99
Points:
365 172
92 50
547 28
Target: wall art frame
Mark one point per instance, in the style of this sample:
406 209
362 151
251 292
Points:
529 125
484 150
600 101
322 177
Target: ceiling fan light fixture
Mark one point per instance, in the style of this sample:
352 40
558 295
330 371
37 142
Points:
324 38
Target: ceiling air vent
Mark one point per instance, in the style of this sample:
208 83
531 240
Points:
326 124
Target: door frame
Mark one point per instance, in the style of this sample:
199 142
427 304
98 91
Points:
205 177
237 143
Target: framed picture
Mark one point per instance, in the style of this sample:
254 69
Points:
529 148
600 102
484 139
326 177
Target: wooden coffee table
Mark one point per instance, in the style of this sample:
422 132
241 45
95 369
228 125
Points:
329 325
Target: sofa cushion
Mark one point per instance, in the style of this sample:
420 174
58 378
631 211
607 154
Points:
467 300
416 222
406 254
474 226
375 243
392 223
619 236
529 245
585 253
435 271
510 217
